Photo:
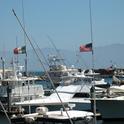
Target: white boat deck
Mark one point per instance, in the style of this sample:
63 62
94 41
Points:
65 93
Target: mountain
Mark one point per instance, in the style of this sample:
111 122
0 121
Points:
108 55
104 57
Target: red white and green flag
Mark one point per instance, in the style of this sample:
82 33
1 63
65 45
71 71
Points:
20 50
86 47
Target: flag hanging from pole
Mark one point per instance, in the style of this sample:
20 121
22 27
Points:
20 50
86 47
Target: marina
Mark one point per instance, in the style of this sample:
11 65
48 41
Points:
59 89
99 101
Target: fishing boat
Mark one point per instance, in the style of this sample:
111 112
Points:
15 87
43 116
57 69
74 92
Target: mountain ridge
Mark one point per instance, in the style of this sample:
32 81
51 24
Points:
104 56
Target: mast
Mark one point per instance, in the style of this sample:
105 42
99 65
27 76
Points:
93 101
91 34
26 69
3 67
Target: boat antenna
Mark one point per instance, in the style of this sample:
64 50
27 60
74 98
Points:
41 64
93 86
26 66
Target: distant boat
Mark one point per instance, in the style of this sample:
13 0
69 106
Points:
117 81
57 70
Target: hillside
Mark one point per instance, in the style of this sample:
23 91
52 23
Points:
103 57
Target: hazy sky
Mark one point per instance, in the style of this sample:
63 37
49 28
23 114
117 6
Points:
65 21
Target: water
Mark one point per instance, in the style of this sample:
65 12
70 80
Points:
3 120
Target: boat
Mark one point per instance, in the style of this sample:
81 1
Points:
15 87
111 108
74 92
43 116
117 81
57 69
111 105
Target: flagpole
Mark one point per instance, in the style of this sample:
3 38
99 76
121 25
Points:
93 86
91 33
17 61
26 66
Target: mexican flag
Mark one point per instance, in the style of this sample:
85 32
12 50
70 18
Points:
20 50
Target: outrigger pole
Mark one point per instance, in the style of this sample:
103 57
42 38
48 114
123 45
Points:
71 122
58 52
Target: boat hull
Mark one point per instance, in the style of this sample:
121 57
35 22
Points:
111 109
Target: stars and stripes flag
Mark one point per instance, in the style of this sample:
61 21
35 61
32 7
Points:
86 48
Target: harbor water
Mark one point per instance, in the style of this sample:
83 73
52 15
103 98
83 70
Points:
4 120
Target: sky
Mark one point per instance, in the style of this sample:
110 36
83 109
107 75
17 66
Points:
66 22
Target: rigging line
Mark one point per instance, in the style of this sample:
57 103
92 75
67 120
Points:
5 112
41 52
58 52
23 20
81 60
41 64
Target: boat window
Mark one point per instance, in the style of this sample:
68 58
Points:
81 95
31 82
4 83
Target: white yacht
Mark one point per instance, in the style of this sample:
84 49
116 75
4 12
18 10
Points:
15 87
75 91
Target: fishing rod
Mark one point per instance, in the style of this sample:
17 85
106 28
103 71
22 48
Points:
41 64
